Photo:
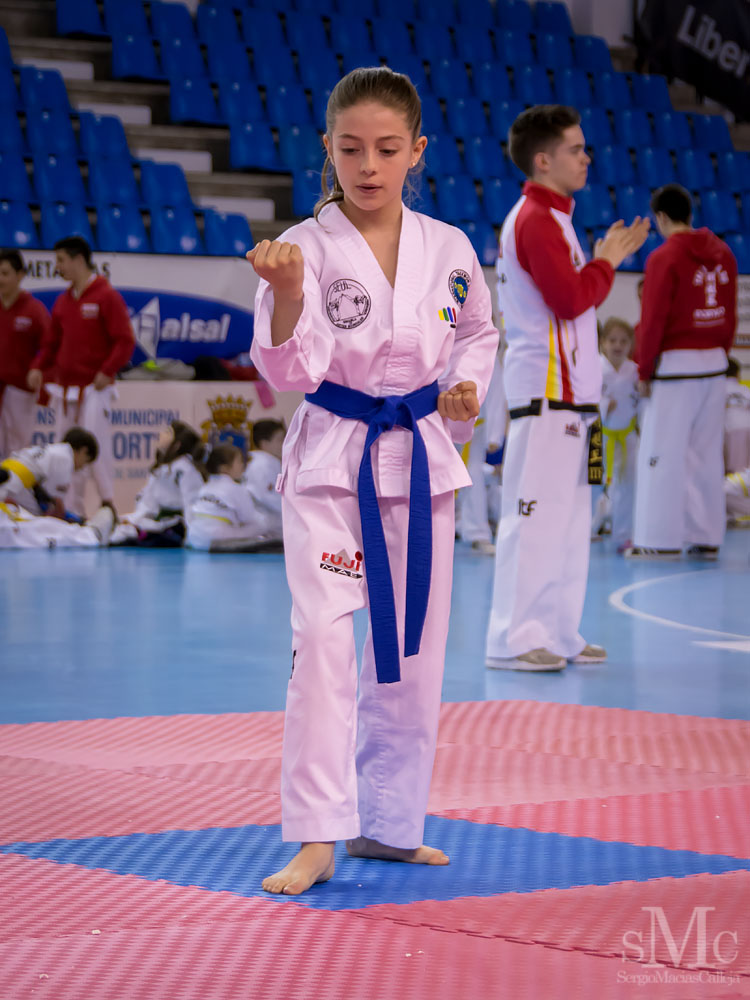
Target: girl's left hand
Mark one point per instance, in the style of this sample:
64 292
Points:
460 402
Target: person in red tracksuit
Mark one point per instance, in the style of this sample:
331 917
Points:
24 322
90 340
688 321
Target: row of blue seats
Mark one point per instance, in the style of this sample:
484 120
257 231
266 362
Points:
82 17
121 228
720 210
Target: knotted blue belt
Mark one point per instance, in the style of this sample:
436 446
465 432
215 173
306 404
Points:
381 413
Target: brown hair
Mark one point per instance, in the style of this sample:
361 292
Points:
372 83
222 455
536 130
611 324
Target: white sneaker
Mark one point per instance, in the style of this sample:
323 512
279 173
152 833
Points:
537 660
103 523
590 654
642 552
483 547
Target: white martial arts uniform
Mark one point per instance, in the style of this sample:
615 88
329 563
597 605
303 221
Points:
620 432
161 504
224 511
358 331
737 493
93 412
261 478
20 529
50 466
737 426
553 384
17 409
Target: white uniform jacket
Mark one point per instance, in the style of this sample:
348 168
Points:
226 501
358 331
261 475
620 385
49 465
169 487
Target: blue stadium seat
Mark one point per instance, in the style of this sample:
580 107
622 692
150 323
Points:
413 66
301 148
354 58
270 66
102 135
120 229
484 158
502 116
350 34
491 82
306 191
79 17
554 51
318 70
251 145
499 196
433 119
711 132
613 166
398 10
597 128
650 92
436 11
655 167
112 182
695 169
287 104
653 241
572 87
474 46
262 29
164 184
611 91
515 15
182 58
61 219
323 7
58 177
390 39
466 117
229 62
633 128
423 200
306 33
175 231
239 100
6 56
43 90
9 96
14 179
552 17
633 200
457 199
275 5
593 207
215 25
734 170
11 136
476 15
719 211
441 156
513 48
125 18
483 239
173 20
433 41
51 132
227 234
17 228
192 102
672 130
739 244
134 58
532 85
319 107
448 79
592 54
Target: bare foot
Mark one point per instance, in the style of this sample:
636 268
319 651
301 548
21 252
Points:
313 863
363 847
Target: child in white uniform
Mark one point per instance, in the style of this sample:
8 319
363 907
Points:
619 410
736 421
21 530
39 477
737 493
173 483
365 308
224 517
263 471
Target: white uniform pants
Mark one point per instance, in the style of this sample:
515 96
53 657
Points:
621 489
43 533
94 415
680 481
351 766
544 537
473 513
17 410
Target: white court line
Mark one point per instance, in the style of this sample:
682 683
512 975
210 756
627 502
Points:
616 599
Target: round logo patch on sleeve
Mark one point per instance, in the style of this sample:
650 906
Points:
458 284
347 304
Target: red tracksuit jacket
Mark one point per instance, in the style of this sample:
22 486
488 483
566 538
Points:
23 327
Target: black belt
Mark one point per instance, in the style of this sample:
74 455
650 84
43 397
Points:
534 408
679 378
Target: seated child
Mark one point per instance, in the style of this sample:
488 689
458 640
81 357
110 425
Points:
173 483
21 530
40 476
264 468
224 517
737 492
736 421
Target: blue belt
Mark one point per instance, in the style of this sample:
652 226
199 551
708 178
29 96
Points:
381 413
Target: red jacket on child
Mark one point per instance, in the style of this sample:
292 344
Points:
23 327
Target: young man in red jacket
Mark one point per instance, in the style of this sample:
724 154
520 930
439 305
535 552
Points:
91 339
688 320
24 322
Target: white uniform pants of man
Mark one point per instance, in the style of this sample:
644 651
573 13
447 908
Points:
17 411
680 481
544 537
473 508
392 731
94 415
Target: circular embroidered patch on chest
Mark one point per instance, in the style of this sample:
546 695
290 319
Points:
458 284
347 304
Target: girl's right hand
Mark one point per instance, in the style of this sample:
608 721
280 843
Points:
281 265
